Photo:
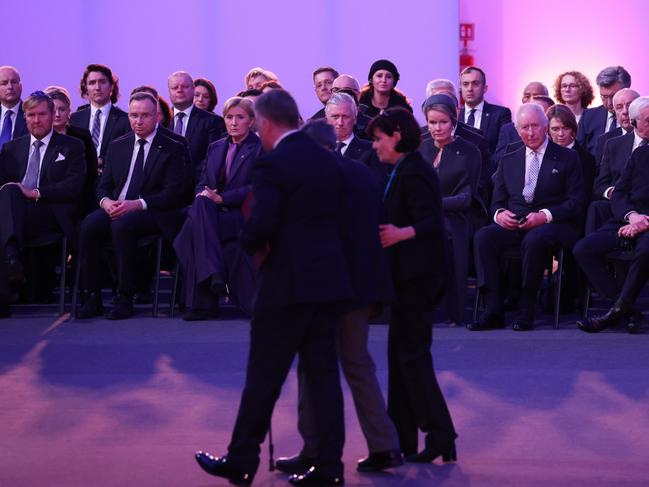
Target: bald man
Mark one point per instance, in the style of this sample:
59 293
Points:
12 118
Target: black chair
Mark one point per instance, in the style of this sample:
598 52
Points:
515 255
619 260
47 241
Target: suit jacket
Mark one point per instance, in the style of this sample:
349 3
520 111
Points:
116 125
20 128
559 187
601 142
458 173
61 182
362 151
588 169
591 125
239 182
414 199
162 187
493 118
88 202
298 198
508 135
632 189
319 114
617 152
360 128
368 266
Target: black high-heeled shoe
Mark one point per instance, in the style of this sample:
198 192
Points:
428 455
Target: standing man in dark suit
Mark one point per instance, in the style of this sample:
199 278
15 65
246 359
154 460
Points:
105 121
199 127
41 178
597 121
617 152
298 190
12 118
537 204
139 194
341 115
628 229
323 80
477 112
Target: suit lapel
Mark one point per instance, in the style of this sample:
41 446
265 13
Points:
124 162
24 158
485 119
548 165
153 156
110 125
191 125
50 154
244 153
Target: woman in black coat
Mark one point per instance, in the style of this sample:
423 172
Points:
207 246
457 164
380 93
415 240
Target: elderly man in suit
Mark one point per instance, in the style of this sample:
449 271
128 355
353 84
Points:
105 121
537 204
621 102
198 126
12 118
628 229
139 194
479 113
298 190
597 121
41 177
341 113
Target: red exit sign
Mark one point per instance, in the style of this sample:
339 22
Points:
467 32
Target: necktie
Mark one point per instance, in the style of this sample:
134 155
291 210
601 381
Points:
613 125
96 128
137 176
179 126
5 136
532 176
229 159
33 166
470 121
339 147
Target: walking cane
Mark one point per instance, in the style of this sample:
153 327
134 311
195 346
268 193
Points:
271 448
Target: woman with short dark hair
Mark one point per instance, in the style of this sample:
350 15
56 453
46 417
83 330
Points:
415 240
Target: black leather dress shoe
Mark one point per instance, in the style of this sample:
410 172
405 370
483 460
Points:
295 464
92 306
313 476
122 310
201 315
429 454
633 325
222 467
487 322
378 461
612 318
522 325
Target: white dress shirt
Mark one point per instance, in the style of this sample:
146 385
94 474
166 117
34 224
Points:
187 111
3 114
609 122
105 111
477 114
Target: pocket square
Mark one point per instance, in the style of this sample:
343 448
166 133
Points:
60 157
555 171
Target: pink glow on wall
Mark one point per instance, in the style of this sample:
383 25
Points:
518 41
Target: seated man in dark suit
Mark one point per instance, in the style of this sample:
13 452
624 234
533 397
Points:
617 152
621 102
105 121
139 194
298 191
41 177
477 112
12 118
597 121
537 205
629 229
323 80
348 84
199 127
341 114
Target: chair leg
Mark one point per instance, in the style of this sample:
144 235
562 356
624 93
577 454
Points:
75 286
587 295
476 302
64 258
557 290
156 294
174 291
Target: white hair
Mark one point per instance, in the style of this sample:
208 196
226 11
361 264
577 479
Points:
441 83
342 99
531 108
637 106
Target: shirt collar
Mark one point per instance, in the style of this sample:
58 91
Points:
187 111
571 145
13 109
636 139
45 140
149 138
348 140
283 136
478 107
540 151
104 110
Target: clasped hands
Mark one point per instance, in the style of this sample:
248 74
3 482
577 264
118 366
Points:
29 193
507 220
115 209
391 235
212 194
637 224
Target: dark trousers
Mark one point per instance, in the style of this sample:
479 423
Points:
414 397
23 219
276 336
590 254
599 212
360 373
536 247
124 232
459 228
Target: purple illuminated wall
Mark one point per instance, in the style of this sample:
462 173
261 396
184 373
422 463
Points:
519 41
143 41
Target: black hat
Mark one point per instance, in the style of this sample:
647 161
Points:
384 64
440 99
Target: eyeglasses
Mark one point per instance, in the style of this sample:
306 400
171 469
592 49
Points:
569 86
338 89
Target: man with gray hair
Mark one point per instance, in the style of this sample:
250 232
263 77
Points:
348 84
537 209
12 118
341 113
597 121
